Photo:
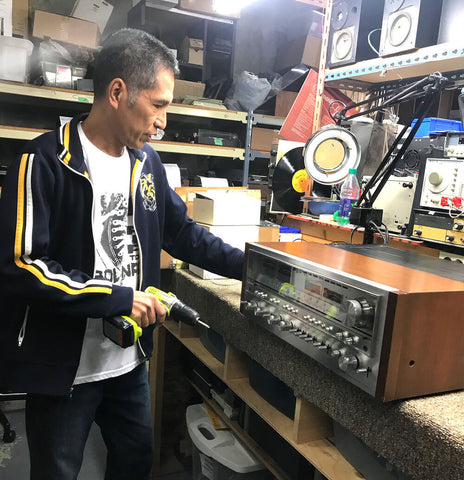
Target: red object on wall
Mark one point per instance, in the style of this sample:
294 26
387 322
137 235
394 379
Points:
299 122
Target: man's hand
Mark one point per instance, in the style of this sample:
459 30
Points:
146 309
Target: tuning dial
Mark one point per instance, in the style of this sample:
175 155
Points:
359 313
348 362
449 238
435 178
458 226
418 232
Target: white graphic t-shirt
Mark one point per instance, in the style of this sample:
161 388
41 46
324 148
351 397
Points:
116 258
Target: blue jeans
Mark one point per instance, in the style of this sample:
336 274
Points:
57 428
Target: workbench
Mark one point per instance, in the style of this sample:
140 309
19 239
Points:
422 437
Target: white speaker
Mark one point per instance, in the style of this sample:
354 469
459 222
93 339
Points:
352 22
408 25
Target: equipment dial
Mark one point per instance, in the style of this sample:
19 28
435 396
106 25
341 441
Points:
359 313
435 178
348 362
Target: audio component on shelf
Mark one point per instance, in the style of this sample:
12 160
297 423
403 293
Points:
436 226
395 199
351 26
454 144
418 151
408 25
443 184
387 320
451 22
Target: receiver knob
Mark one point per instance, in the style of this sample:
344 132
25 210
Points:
249 307
348 362
359 313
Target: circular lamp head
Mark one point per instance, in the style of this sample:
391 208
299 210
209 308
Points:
330 153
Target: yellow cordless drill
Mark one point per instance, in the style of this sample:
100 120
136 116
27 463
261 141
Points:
124 331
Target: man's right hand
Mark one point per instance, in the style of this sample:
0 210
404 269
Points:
146 309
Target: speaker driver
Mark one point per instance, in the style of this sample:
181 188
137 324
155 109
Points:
339 16
342 45
330 153
400 29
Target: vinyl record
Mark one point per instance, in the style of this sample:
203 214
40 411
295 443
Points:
289 181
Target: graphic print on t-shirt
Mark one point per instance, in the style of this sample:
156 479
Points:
118 255
113 213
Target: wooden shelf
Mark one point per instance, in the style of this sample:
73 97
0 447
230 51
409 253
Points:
198 149
20 133
442 58
307 432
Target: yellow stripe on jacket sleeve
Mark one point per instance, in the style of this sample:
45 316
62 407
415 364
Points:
22 259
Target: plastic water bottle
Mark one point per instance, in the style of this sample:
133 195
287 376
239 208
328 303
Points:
349 194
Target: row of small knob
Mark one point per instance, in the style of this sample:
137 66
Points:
332 347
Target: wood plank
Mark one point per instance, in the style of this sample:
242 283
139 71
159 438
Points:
156 382
236 364
310 422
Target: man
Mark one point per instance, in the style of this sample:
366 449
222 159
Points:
85 212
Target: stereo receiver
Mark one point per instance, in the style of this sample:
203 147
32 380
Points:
386 320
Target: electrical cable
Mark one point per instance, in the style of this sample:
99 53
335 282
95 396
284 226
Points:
330 106
369 40
376 227
352 233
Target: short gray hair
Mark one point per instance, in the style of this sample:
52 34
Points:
134 56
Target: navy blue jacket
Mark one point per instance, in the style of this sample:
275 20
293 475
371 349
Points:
47 256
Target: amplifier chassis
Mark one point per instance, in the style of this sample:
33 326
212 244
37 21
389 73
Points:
389 329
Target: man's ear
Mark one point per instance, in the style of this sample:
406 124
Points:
117 92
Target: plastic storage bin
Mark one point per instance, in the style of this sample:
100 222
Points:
218 454
430 125
14 58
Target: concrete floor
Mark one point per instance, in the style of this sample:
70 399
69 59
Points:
14 457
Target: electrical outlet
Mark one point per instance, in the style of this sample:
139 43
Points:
452 257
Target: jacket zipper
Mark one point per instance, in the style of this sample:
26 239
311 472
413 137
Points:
134 195
22 331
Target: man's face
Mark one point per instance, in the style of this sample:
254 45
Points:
142 119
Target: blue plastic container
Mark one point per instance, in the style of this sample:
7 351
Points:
431 125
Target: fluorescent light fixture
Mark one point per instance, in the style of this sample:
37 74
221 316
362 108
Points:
227 6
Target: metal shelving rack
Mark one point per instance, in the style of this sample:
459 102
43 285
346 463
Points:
83 98
365 75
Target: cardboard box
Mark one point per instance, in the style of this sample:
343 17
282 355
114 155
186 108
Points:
6 17
208 6
268 233
284 102
191 51
14 58
21 18
306 49
97 11
65 29
226 207
298 126
263 138
188 194
182 88
235 235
